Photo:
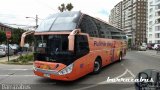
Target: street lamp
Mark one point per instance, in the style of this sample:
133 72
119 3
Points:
36 19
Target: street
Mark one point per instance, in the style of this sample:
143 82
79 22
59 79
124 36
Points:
133 63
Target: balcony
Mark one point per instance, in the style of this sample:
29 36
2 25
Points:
157 14
157 7
157 21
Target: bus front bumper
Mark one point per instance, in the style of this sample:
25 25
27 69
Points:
53 75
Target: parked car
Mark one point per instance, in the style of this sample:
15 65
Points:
150 45
155 46
4 50
142 48
15 47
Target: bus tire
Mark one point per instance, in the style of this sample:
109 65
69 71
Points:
120 57
97 66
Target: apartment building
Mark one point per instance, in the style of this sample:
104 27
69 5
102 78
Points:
115 16
153 32
134 20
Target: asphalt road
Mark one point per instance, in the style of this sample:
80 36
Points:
133 63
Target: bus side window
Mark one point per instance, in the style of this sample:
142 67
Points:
87 25
82 46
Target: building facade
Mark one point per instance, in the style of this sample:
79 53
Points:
134 20
5 27
115 18
153 31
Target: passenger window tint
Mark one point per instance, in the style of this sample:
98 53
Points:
98 28
82 46
87 25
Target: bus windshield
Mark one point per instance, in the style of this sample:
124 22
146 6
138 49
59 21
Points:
60 22
54 48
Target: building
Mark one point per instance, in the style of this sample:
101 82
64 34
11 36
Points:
115 17
153 32
134 20
5 27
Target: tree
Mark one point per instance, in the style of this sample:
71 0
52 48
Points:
69 7
129 42
2 36
64 7
16 35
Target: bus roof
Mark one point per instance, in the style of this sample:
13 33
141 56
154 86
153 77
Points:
67 21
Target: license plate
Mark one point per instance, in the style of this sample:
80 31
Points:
46 75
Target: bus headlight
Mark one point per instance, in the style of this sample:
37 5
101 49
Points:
66 70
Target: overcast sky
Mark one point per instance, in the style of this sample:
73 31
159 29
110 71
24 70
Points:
15 11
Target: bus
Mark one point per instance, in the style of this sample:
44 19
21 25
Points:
69 45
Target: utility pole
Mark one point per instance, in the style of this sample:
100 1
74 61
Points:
36 21
133 36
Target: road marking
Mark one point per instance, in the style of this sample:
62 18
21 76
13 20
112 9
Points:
17 69
125 72
17 75
105 82
130 72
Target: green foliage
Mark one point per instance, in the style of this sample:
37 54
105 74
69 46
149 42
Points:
16 35
26 58
29 39
64 7
2 36
69 7
129 42
23 59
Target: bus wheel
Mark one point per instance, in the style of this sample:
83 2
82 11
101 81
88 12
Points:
120 57
97 66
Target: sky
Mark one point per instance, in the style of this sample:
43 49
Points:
15 11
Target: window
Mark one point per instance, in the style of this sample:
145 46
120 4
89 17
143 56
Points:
157 13
150 41
134 1
157 21
150 16
87 25
151 9
157 6
150 35
157 0
157 41
157 28
82 46
151 2
157 35
55 22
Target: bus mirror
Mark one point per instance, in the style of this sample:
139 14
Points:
71 39
71 42
23 37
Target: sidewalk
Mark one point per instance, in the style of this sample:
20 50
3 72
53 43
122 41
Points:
5 59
